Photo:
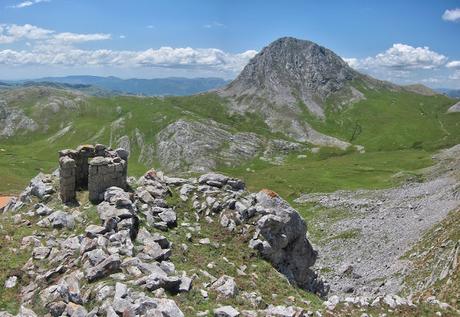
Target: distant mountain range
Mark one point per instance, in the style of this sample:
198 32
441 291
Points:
171 86
454 93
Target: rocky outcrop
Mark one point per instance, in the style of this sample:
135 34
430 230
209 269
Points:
281 238
200 146
290 70
126 245
289 77
454 108
13 121
278 231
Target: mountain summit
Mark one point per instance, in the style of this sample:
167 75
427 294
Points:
290 70
291 78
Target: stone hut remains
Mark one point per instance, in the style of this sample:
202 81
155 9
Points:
95 168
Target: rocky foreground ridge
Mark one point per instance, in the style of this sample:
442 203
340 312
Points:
128 255
118 261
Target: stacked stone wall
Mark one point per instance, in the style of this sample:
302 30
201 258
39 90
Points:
95 168
67 178
104 173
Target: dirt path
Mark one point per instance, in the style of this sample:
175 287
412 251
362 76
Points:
361 252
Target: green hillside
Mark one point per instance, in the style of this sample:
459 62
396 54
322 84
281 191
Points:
407 126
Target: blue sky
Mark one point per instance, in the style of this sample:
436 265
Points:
403 41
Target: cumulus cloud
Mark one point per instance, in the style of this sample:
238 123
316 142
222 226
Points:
453 64
209 58
10 33
78 38
452 15
404 64
27 3
402 57
50 48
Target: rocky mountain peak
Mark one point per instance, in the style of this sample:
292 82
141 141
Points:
290 69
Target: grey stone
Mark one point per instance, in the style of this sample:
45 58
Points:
213 179
169 217
93 231
11 281
41 253
225 286
121 290
168 307
185 284
60 219
281 311
56 309
285 242
108 266
226 311
42 210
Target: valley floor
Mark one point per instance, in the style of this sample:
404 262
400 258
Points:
363 236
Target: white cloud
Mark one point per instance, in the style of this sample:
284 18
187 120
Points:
453 64
10 33
48 48
401 57
168 57
122 36
27 3
452 15
213 24
150 26
78 38
353 62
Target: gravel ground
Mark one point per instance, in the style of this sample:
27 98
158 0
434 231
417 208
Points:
381 226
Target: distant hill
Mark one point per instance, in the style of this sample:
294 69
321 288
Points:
172 86
421 89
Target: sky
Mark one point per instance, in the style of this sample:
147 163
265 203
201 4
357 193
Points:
410 41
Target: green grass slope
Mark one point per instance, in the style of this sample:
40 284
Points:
405 126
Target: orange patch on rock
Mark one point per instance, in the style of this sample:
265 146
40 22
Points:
270 193
4 200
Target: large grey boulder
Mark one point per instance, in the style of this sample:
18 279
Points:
283 240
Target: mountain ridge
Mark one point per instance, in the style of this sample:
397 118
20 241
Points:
174 86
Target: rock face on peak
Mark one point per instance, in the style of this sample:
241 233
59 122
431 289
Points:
289 78
289 70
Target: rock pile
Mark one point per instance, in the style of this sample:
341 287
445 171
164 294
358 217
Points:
93 167
120 264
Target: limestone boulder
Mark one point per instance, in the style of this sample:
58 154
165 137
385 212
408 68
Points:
282 239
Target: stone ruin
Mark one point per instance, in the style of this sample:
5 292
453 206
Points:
95 168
